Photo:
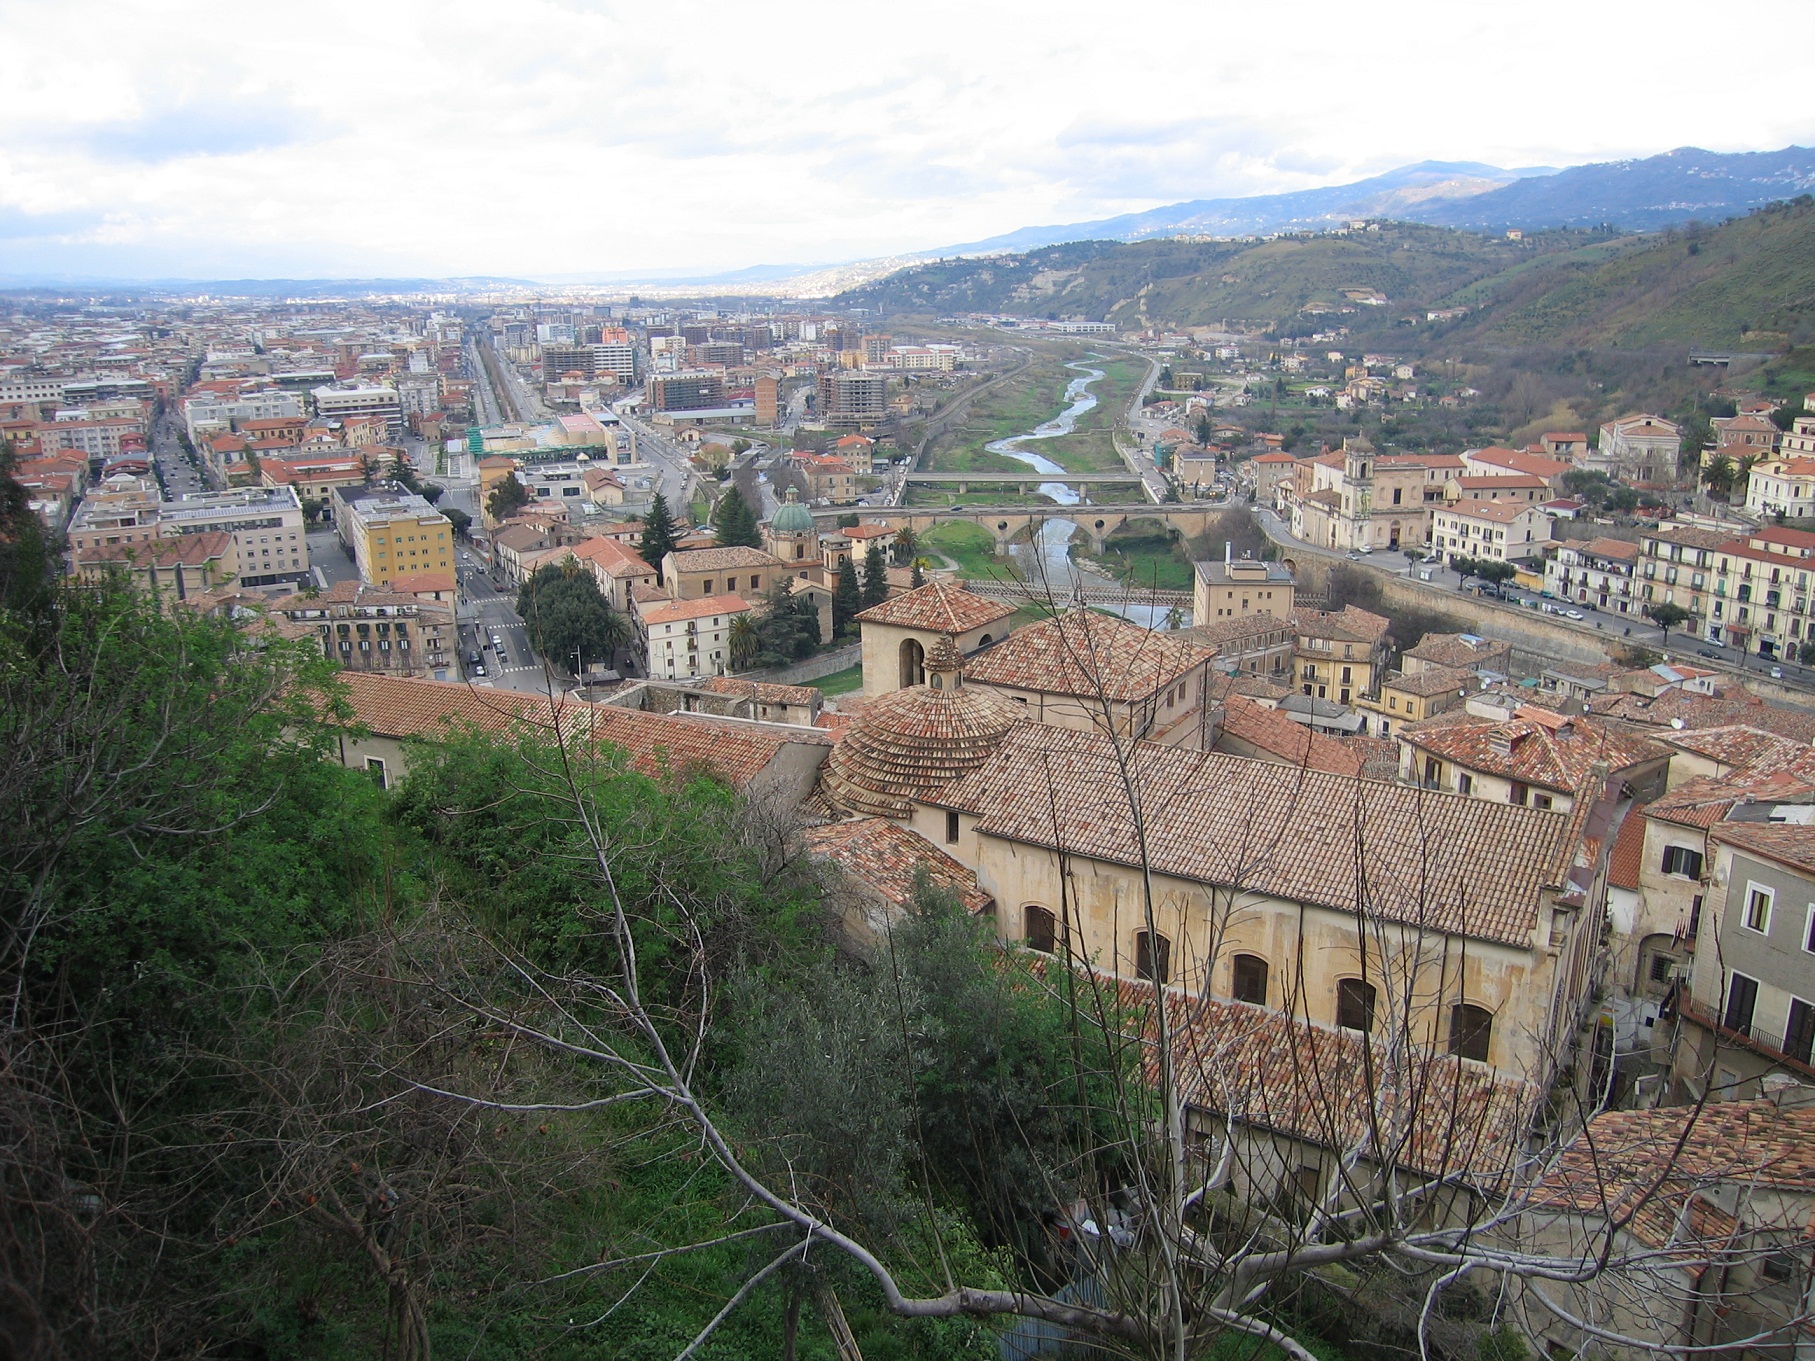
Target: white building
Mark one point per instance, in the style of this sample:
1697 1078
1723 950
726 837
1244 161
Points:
690 638
266 524
209 414
1498 531
1782 486
357 399
1598 573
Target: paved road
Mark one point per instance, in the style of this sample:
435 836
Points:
179 477
486 611
675 477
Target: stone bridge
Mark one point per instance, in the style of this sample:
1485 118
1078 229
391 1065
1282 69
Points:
1011 524
1023 482
1107 593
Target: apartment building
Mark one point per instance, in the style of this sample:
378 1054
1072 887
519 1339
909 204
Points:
1760 595
1639 448
852 399
1782 487
266 524
365 628
1239 586
393 533
1340 655
1598 573
342 401
687 390
1676 567
685 639
1499 531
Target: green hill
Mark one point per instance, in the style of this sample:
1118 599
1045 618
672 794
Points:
1748 284
1200 282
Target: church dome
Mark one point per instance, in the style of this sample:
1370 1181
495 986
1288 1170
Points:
791 517
911 742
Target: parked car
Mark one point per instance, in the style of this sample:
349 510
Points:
1777 673
1365 548
478 668
472 658
1706 652
1574 614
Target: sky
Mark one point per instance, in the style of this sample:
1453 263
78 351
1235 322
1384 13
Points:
553 139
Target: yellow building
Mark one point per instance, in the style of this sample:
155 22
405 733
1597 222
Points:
393 533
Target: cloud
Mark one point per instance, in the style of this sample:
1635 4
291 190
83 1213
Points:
216 128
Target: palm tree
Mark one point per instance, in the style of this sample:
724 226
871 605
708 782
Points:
1719 474
1744 475
744 641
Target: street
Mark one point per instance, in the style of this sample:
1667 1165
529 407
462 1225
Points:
488 611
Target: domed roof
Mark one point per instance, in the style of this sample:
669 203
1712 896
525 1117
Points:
914 741
791 517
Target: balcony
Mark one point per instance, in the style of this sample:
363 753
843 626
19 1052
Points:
1759 1041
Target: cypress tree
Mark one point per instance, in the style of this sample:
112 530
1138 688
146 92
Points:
875 577
658 534
847 600
736 521
918 578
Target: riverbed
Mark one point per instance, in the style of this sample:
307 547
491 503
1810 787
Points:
1046 561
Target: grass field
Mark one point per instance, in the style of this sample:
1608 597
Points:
972 547
1010 408
1149 561
839 682
992 496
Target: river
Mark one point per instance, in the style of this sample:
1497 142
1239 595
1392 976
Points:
1046 560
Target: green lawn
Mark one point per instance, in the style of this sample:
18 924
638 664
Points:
1147 561
972 547
839 682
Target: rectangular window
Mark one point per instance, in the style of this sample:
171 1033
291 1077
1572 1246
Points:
1808 931
1465 784
1757 914
1799 1035
1681 860
951 828
375 768
1518 793
1355 1004
1742 1000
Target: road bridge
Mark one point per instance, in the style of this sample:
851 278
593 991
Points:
1033 593
1012 524
1022 482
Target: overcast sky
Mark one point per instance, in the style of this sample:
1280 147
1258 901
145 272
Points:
539 138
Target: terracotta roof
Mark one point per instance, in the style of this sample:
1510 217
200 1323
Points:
1688 535
1650 1165
1741 746
1347 625
866 531
764 692
1254 687
423 581
1628 850
397 707
1664 710
1279 1072
721 559
909 743
1446 861
1500 481
187 550
675 611
1499 512
612 558
1239 628
1612 548
1789 843
1437 681
1085 653
885 857
1275 736
939 607
1461 650
1534 747
1519 461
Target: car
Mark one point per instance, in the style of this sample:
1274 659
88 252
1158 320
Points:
478 668
1365 549
473 658
1574 614
503 657
1777 673
1706 652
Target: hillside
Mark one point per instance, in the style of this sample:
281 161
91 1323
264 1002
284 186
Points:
1748 284
1198 283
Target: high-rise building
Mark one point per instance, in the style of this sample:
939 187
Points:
768 400
688 390
393 534
850 399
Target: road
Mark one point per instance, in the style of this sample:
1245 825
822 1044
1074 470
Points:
485 611
179 477
675 477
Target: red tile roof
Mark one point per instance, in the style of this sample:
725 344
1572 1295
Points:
937 607
1274 736
1083 653
886 857
1534 747
1628 853
1445 861
675 611
396 707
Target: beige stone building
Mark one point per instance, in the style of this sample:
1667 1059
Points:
1539 758
692 573
1237 586
1097 673
900 632
1340 654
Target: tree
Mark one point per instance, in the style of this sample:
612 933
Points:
739 447
1496 574
736 522
432 492
875 576
459 519
917 577
788 628
1464 568
1720 473
1667 615
506 498
569 620
1203 428
745 641
906 541
659 534
847 598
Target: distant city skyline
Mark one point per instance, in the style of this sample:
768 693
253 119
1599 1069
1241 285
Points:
566 139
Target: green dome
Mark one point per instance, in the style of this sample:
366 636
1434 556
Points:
791 517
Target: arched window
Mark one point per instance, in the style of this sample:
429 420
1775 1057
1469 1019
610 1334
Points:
985 641
1355 1004
1152 957
1470 1030
913 663
1250 980
1039 928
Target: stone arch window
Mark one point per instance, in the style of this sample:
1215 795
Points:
913 663
1152 957
1355 1004
1471 1031
1250 980
1039 928
985 641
